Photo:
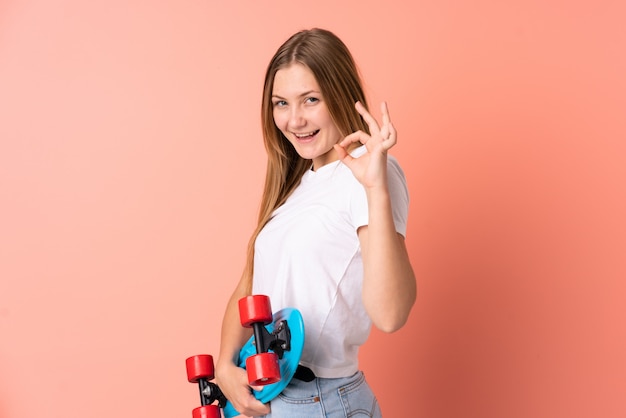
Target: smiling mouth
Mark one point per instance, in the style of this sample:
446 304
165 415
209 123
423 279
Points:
307 135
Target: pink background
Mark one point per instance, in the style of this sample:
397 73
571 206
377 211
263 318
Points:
131 165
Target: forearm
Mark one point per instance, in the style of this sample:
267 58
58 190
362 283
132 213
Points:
389 287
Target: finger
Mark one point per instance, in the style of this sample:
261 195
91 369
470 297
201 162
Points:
342 152
251 406
368 118
386 129
385 132
392 139
344 156
358 136
384 109
393 134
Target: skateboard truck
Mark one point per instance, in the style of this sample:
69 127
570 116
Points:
279 340
210 392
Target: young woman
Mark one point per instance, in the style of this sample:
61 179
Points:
330 234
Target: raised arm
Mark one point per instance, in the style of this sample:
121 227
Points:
389 286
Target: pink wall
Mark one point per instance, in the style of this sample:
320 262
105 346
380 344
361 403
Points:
131 165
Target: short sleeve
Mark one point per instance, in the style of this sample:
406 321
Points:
399 195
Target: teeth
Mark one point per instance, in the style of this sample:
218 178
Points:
305 135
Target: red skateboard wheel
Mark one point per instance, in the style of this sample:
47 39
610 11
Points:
200 367
263 369
207 411
253 309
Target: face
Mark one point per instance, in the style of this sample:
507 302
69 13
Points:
302 115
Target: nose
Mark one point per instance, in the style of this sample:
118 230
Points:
296 117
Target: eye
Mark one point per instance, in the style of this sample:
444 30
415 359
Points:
279 103
312 100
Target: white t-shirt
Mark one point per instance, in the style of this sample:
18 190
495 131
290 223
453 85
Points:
308 257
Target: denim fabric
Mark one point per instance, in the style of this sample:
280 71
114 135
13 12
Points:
326 398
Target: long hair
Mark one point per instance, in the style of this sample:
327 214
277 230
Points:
335 71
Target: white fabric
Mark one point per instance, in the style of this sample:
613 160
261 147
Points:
308 257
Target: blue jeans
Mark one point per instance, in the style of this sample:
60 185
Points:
334 398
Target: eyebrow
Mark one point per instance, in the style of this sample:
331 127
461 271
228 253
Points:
306 93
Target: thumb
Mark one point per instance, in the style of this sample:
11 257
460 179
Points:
343 154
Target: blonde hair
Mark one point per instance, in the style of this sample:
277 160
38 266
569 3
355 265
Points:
335 71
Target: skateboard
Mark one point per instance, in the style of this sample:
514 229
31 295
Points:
270 357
